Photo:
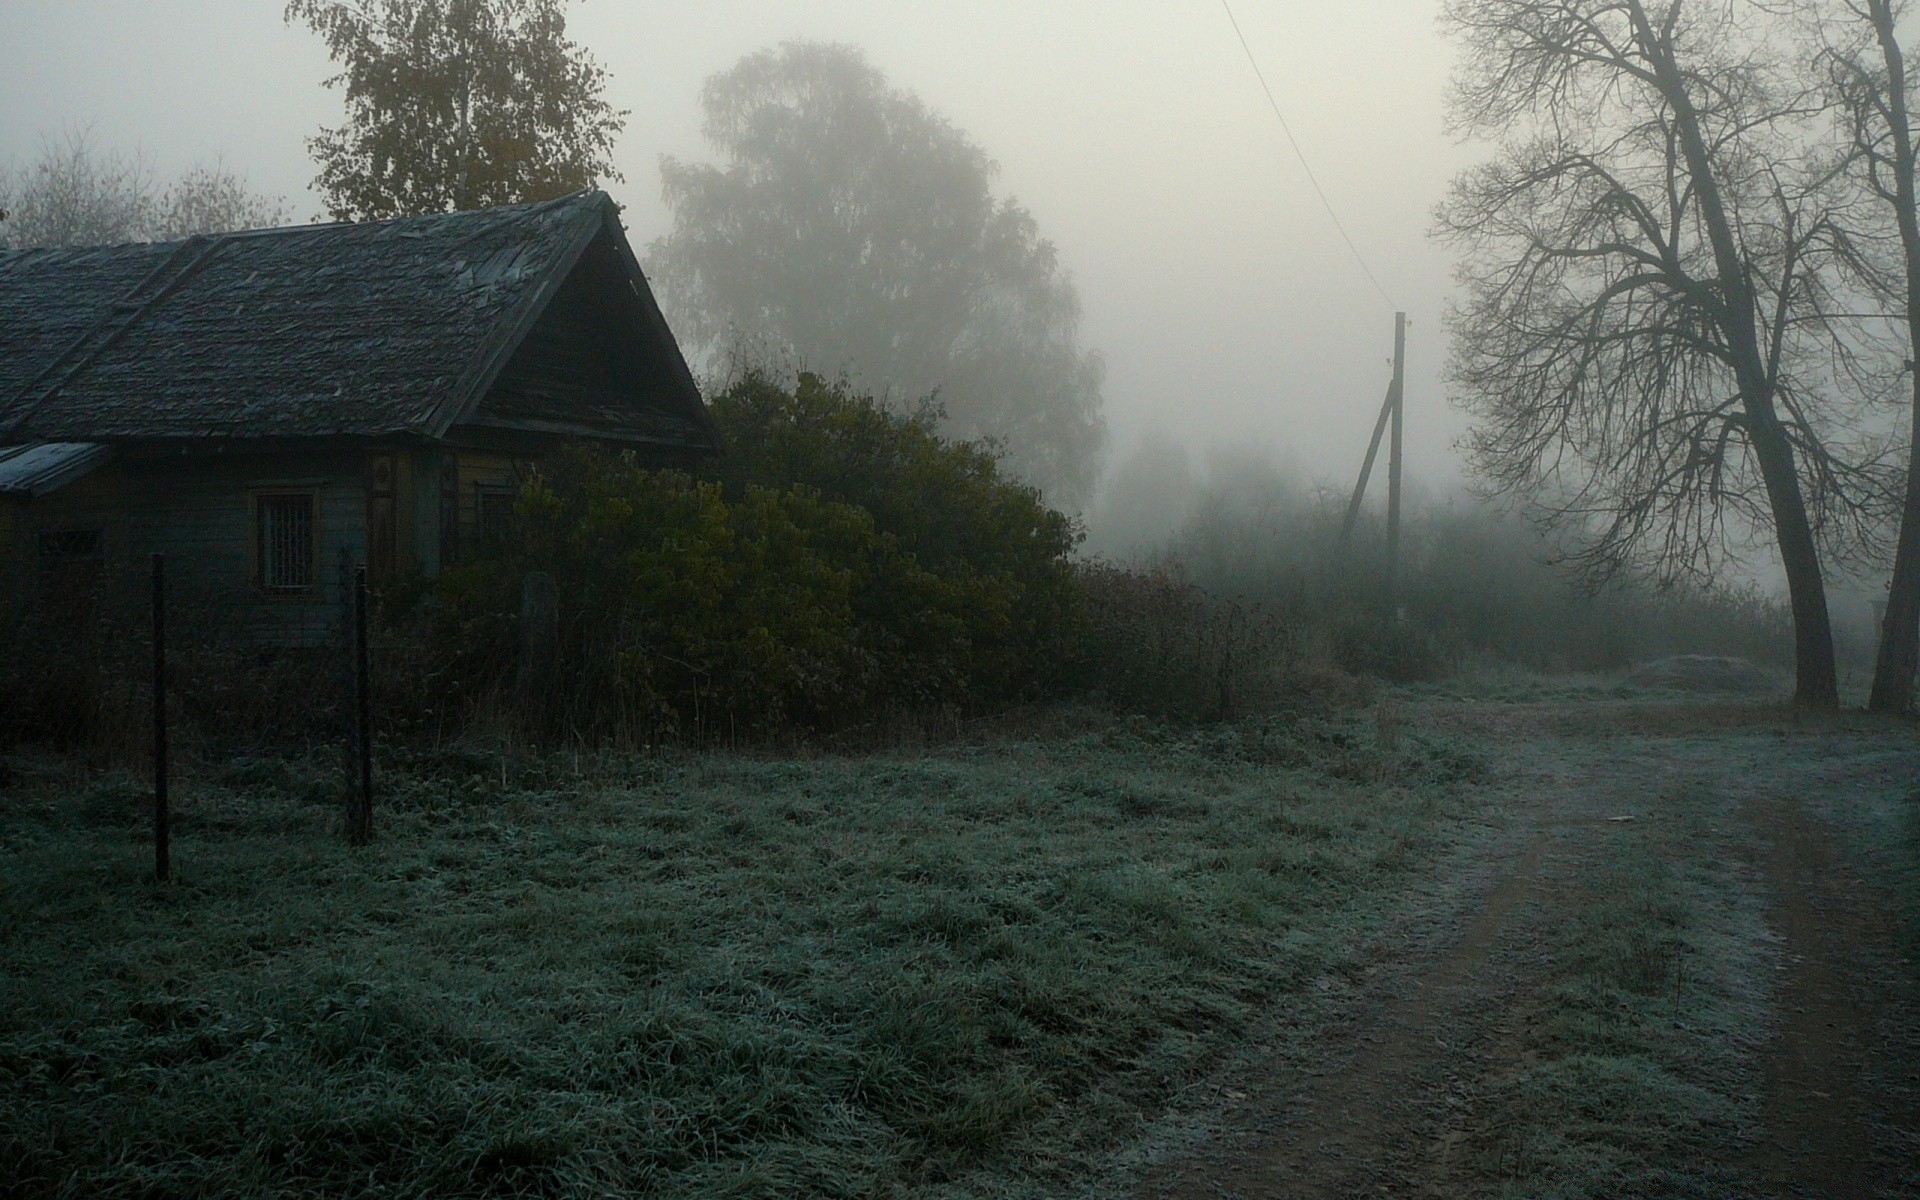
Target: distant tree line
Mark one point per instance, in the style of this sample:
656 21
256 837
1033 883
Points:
77 193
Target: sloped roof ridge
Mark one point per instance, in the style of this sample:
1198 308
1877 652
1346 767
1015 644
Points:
357 329
500 212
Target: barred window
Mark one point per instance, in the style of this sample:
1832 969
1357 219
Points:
283 528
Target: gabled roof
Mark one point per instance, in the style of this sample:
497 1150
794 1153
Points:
358 330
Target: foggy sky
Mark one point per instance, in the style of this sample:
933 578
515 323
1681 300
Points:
1226 306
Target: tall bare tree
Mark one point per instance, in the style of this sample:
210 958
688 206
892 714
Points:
76 193
1646 297
1867 68
457 104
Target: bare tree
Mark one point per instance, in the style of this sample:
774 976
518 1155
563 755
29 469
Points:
78 194
213 199
75 194
1645 337
1867 69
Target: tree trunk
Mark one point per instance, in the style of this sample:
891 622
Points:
1815 682
1899 655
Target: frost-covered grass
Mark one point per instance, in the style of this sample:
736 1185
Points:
1640 1065
973 971
1879 826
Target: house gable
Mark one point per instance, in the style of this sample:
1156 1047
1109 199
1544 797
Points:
599 363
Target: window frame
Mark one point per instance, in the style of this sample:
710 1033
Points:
259 553
485 537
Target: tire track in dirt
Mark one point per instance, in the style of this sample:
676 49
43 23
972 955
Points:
1377 1119
1388 1106
1821 1113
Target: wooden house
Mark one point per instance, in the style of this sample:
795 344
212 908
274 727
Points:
265 407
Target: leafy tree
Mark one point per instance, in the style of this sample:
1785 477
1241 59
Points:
1646 270
76 194
213 199
457 104
853 228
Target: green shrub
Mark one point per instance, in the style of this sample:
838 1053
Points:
840 561
945 503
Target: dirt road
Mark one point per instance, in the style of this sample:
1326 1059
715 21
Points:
1675 972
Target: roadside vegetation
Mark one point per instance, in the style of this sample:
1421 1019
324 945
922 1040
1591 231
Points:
1480 589
975 970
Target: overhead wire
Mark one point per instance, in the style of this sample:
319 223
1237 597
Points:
1305 166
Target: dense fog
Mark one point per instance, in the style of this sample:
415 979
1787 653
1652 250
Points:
1215 289
1196 303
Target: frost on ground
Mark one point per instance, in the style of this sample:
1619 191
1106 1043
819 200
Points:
1683 976
1569 941
980 970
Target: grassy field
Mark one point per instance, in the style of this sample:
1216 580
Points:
973 971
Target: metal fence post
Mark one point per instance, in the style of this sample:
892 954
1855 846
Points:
162 818
360 826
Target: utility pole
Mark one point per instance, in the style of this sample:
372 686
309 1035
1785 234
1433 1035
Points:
1391 413
1396 396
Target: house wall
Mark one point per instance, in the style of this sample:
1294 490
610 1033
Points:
199 512
13 565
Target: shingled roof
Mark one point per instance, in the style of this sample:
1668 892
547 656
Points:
387 328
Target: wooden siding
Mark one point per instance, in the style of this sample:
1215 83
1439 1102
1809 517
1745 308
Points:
581 370
200 513
14 576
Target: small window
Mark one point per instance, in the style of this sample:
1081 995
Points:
283 529
70 546
493 513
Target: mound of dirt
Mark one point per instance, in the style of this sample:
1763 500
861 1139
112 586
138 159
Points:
1703 673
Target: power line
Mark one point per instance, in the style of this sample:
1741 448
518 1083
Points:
1304 165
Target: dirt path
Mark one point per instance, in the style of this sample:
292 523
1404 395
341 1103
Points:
1821 1107
1410 1092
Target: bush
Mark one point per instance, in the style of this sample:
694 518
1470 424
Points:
1153 643
841 562
945 503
